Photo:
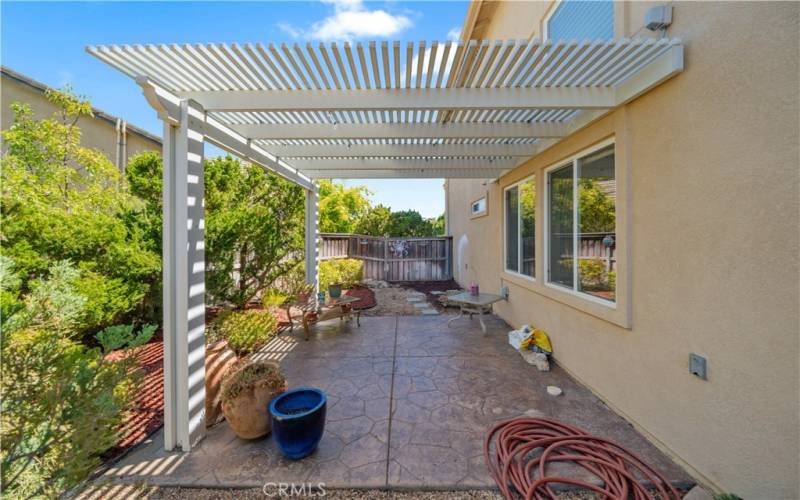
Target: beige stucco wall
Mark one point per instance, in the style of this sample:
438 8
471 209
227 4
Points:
709 168
97 133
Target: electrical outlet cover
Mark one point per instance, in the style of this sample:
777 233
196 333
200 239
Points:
697 366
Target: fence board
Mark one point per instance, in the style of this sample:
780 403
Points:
393 259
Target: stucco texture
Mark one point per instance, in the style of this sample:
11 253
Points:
708 244
96 133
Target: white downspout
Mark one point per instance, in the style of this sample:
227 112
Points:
119 144
123 161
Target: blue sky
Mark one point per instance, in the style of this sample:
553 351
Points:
46 41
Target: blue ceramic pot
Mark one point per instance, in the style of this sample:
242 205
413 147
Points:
298 421
335 290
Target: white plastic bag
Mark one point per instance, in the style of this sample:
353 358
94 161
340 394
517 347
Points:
515 337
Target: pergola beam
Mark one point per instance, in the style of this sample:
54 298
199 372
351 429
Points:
405 99
298 131
428 173
443 164
393 150
168 107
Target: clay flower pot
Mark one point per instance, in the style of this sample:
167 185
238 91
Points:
247 410
219 358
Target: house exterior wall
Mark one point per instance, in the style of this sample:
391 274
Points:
99 132
708 243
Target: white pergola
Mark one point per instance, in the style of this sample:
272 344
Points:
374 110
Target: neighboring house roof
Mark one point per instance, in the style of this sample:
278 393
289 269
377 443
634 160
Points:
98 113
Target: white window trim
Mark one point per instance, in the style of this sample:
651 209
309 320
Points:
546 19
519 232
484 212
546 259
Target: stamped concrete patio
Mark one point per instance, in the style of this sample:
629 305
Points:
410 400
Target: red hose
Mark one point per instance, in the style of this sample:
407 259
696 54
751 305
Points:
523 448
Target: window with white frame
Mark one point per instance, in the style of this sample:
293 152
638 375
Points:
581 221
580 20
520 228
478 207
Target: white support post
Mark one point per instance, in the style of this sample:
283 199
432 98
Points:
312 240
184 279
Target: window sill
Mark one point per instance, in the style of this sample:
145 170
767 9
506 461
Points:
615 313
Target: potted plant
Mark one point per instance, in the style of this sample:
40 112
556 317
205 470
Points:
335 290
247 391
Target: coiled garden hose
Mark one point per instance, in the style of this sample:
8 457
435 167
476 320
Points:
518 453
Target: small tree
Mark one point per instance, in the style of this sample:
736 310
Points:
254 225
437 225
341 208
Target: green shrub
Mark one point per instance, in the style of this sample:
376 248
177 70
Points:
274 298
61 201
347 272
62 401
245 331
117 336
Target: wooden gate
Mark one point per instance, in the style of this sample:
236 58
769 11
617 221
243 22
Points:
393 259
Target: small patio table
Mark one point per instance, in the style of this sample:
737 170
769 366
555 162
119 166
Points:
341 308
474 304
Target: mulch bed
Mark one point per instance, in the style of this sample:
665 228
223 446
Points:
147 414
365 294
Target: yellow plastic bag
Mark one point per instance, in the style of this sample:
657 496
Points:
539 339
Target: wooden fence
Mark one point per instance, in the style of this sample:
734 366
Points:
393 259
590 246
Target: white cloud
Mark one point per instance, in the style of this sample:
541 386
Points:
454 34
290 30
351 19
436 63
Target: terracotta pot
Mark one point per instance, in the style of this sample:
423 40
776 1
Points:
219 358
248 414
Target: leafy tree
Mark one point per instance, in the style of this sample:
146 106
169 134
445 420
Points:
409 223
340 207
62 401
597 212
62 201
376 222
254 224
437 226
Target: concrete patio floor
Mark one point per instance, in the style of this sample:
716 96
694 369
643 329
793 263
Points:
409 402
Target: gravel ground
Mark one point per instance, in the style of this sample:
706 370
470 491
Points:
145 492
393 299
